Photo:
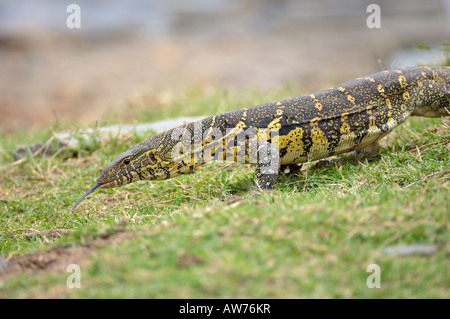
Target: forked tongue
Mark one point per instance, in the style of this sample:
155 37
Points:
87 193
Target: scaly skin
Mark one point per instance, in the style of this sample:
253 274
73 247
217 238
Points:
348 117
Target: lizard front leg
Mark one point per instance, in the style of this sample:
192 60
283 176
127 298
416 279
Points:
265 177
267 166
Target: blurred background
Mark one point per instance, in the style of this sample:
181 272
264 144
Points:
48 71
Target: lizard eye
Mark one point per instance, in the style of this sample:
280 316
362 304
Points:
152 157
127 161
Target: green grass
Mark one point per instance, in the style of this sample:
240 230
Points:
313 236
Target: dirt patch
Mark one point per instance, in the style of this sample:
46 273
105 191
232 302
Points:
56 259
190 260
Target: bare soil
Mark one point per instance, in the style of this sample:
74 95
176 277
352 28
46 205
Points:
56 259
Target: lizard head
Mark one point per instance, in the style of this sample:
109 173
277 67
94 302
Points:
154 159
